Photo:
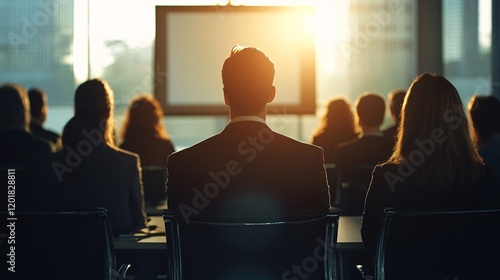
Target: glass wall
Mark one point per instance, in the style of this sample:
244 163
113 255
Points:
467 45
362 46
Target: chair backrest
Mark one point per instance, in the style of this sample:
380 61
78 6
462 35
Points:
286 249
439 244
349 185
56 245
153 180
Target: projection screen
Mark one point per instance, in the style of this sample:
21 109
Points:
192 43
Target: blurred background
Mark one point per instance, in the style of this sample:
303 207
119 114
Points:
369 45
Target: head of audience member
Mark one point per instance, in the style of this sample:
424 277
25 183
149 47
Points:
396 98
434 136
247 76
484 112
93 119
143 119
370 108
338 117
38 103
14 107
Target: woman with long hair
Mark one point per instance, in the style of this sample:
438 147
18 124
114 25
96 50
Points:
90 171
337 126
143 133
435 162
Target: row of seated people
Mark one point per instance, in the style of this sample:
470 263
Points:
248 169
353 149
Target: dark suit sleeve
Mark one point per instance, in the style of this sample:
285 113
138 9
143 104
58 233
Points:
173 199
322 187
377 198
137 197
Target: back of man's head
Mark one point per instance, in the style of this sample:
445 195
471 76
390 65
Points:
370 108
14 106
37 102
247 76
485 116
396 99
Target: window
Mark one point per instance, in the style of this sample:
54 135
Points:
362 45
467 46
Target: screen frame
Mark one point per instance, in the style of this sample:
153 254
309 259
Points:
307 103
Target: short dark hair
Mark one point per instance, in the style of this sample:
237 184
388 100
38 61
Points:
14 106
485 115
396 99
37 101
247 75
370 108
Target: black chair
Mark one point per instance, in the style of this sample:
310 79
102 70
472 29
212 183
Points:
214 248
57 245
438 244
349 187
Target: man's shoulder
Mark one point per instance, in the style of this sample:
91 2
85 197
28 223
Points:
42 132
37 143
197 148
117 155
296 143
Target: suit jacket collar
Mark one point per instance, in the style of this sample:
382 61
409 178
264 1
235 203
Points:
246 125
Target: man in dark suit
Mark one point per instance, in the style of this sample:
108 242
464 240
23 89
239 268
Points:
356 158
372 147
396 99
18 148
247 169
39 109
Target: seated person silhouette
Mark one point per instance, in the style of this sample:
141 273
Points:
144 134
90 171
247 171
337 126
39 112
485 116
19 149
434 164
396 98
356 158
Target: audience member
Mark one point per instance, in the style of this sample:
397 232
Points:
18 148
434 163
247 172
485 115
396 98
247 167
356 158
90 171
372 147
39 111
337 126
144 134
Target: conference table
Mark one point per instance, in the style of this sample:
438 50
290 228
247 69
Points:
153 240
349 237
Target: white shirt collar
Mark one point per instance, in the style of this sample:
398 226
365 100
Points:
248 118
